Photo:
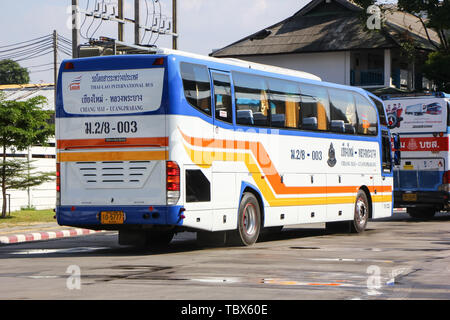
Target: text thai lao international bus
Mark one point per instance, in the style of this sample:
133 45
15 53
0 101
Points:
421 182
151 145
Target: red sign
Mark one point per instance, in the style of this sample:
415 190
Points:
424 144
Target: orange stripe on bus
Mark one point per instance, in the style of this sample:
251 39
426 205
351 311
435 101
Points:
102 143
268 169
112 156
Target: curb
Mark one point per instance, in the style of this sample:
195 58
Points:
35 236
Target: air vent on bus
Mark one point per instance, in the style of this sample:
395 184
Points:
113 174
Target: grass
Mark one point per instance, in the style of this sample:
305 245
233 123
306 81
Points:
27 217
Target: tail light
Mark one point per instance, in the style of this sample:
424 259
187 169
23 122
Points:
446 178
172 182
58 184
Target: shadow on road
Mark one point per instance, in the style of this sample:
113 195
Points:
107 244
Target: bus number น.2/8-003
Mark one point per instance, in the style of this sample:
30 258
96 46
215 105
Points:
105 127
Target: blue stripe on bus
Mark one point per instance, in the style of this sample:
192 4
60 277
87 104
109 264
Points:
88 215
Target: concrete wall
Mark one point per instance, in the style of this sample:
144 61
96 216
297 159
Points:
330 66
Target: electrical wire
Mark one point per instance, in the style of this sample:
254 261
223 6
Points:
26 46
12 45
159 25
146 21
85 18
93 19
153 19
27 52
101 20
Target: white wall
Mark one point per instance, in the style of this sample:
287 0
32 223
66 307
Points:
330 66
39 197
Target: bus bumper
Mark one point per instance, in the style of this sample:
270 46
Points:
89 216
422 199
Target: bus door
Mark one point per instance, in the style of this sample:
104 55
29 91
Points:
386 175
224 194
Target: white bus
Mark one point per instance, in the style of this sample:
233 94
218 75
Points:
151 145
421 182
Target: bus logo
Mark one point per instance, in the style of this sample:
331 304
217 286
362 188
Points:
331 156
75 84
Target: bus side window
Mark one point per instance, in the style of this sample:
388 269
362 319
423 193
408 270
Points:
196 86
284 103
222 97
367 116
315 108
343 111
252 103
386 157
381 111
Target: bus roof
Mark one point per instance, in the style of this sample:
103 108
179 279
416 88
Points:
241 63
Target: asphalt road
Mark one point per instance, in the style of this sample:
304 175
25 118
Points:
396 258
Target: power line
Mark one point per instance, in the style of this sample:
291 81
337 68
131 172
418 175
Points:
11 45
25 46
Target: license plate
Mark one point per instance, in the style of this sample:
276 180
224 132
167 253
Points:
409 197
112 217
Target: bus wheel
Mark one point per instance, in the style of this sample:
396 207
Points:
249 222
421 213
361 216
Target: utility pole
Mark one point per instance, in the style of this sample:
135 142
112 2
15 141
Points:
75 29
120 17
174 25
55 60
137 22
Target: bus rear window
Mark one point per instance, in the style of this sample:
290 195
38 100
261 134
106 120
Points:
197 89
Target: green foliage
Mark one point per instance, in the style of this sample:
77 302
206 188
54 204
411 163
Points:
437 68
434 14
12 73
22 125
20 174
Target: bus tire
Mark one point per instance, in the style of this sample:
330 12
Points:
361 215
421 213
249 222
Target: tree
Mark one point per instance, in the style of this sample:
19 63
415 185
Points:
433 14
12 73
22 124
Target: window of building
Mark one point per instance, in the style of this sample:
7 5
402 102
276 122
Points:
284 103
343 112
315 108
222 97
252 100
197 89
367 116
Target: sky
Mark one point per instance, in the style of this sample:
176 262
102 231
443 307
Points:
203 25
